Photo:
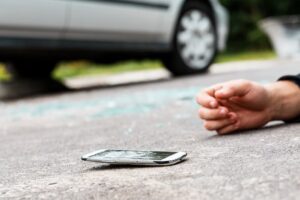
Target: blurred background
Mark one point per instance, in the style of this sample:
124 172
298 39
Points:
245 33
246 41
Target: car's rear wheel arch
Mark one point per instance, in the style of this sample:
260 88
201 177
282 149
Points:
207 3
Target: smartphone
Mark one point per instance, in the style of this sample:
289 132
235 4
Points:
129 157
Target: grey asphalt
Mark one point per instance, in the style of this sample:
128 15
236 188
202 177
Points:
43 138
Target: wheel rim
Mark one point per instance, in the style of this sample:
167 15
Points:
196 39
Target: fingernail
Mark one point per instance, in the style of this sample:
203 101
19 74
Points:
213 104
224 92
223 111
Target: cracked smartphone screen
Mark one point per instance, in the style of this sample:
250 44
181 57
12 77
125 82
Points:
132 155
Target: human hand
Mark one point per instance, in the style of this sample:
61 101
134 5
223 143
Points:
235 105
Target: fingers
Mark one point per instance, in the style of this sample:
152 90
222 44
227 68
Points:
213 114
228 129
213 125
206 97
210 96
233 89
217 101
207 100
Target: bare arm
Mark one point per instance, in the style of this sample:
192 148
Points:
242 104
285 100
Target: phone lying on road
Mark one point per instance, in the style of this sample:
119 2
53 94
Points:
129 157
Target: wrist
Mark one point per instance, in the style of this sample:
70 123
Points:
284 100
274 102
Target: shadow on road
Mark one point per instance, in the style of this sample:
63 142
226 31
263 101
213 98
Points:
103 167
66 90
70 91
273 126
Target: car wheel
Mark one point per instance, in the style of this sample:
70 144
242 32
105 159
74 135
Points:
34 74
194 41
32 69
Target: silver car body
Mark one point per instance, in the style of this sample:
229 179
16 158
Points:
148 22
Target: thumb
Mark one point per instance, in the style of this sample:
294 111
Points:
233 89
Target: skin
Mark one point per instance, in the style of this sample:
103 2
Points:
242 104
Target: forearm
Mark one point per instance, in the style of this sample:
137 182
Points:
284 99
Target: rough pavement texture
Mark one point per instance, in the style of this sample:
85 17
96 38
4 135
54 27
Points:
43 138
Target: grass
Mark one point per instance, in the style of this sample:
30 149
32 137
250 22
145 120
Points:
85 68
4 74
243 56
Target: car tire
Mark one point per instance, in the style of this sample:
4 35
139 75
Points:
32 69
29 73
194 45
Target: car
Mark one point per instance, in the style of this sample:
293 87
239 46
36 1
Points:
185 34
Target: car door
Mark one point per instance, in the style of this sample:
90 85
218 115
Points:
32 18
116 20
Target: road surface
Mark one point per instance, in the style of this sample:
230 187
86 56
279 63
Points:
43 138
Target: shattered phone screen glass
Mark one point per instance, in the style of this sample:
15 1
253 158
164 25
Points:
132 155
